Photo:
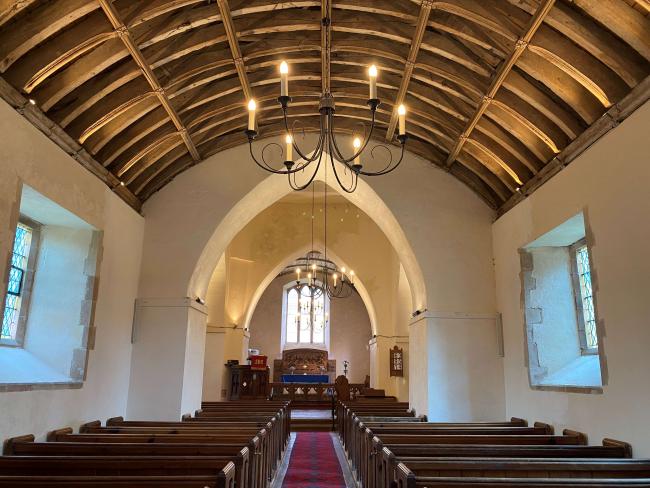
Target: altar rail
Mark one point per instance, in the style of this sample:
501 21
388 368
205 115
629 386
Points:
309 391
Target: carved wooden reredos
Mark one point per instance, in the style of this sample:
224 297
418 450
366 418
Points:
305 360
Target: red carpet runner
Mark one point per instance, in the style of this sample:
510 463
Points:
313 463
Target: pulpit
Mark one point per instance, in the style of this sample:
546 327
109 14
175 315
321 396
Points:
247 383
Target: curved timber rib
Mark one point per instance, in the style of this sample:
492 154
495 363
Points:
500 93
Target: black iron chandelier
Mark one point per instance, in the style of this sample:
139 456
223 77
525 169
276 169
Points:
321 275
327 146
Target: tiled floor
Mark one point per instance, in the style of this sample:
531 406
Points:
311 414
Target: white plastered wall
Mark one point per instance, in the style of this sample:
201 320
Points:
28 156
609 182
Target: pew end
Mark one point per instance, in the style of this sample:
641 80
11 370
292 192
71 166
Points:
582 437
627 448
518 421
186 417
8 445
115 421
226 477
53 434
548 428
88 425
404 477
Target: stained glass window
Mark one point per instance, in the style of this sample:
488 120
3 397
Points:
19 259
586 294
305 317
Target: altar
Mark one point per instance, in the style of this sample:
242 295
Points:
305 366
305 378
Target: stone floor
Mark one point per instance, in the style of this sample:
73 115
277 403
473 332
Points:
311 414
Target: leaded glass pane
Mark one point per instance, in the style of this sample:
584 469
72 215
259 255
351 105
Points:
292 316
319 320
19 259
305 316
586 294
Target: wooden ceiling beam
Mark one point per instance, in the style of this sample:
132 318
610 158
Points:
420 28
126 37
57 135
500 77
325 38
233 42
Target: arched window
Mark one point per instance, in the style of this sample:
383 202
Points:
305 317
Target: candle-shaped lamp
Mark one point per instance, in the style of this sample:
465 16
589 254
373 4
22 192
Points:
357 145
284 79
289 140
401 111
334 278
372 77
351 276
298 274
252 106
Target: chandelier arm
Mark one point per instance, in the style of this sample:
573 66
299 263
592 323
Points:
295 186
267 167
365 143
354 176
295 145
264 165
389 170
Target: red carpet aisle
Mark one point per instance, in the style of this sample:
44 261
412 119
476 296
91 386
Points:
313 463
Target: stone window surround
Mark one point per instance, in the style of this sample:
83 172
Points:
80 355
533 316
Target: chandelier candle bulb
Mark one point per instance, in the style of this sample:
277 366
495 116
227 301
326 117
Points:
372 76
401 111
298 273
284 79
252 106
357 145
289 140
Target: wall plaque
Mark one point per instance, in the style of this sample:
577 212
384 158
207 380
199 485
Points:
396 361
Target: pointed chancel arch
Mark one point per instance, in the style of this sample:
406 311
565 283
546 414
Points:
275 187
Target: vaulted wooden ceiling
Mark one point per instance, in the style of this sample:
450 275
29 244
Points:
495 88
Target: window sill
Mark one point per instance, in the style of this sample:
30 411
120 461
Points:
582 375
22 371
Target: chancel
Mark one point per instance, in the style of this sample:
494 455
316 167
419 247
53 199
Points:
361 244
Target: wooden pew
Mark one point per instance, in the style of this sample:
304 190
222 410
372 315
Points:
424 468
386 457
405 478
111 482
219 469
364 433
362 448
267 455
245 469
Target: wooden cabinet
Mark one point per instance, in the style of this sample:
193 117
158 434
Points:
246 383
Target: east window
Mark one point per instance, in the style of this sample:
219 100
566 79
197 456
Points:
305 317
